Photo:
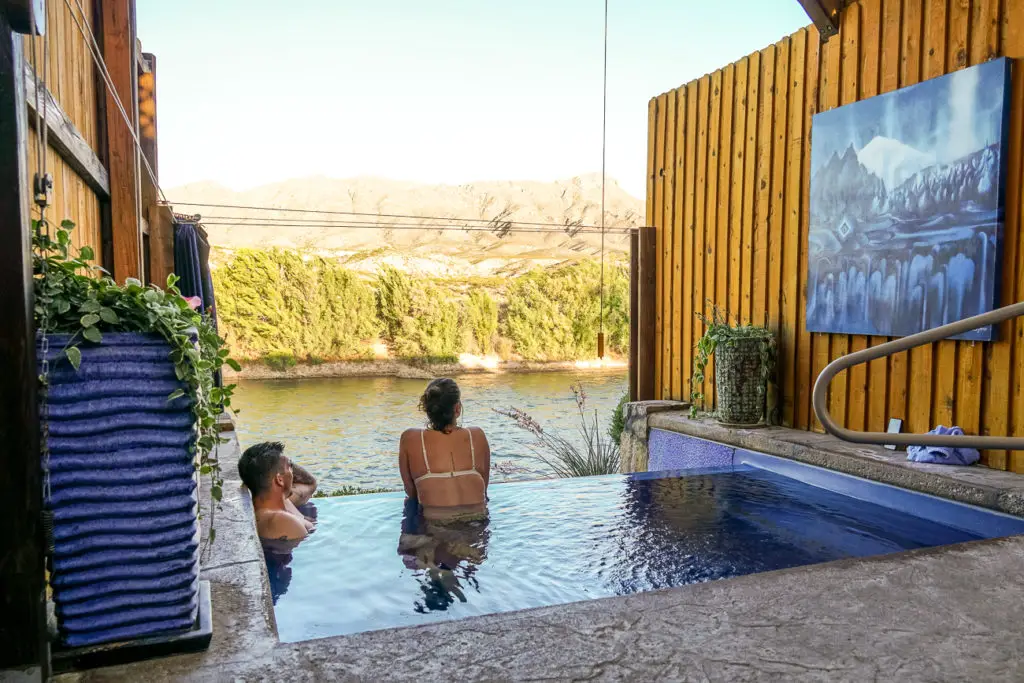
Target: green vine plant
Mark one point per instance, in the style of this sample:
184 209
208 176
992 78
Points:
717 331
80 299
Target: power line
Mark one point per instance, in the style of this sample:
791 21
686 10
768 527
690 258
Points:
262 223
604 156
498 222
425 223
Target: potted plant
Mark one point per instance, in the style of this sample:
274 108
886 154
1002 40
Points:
744 363
128 415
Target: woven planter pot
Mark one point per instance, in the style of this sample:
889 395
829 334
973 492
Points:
125 559
738 383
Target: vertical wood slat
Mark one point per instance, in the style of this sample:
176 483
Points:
793 190
711 216
1013 46
724 168
647 286
777 201
737 164
697 281
667 221
732 246
678 226
805 347
685 295
875 377
655 218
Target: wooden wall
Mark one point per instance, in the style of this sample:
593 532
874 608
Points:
71 79
728 187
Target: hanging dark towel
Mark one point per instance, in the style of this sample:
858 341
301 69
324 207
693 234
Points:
192 266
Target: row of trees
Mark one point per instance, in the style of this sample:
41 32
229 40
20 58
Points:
284 307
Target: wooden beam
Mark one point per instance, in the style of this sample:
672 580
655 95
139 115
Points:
634 309
117 25
647 300
23 644
66 140
161 244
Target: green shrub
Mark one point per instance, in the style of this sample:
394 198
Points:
504 348
420 319
554 314
482 320
350 491
274 299
280 360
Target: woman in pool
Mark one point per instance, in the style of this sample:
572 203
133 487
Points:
445 467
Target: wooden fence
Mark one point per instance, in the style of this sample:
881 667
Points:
728 188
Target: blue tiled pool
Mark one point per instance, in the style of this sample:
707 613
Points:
554 542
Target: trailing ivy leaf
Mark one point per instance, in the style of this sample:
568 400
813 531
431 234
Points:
205 469
216 493
108 316
213 534
63 306
92 334
233 364
74 355
177 393
67 224
86 254
89 319
90 306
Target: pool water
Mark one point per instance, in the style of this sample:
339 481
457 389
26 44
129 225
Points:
560 541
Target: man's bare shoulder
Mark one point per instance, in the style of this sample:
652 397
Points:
280 525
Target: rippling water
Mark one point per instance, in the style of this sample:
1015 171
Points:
345 430
554 542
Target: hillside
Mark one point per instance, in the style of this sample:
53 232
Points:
409 243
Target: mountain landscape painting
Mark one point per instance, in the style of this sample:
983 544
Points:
907 206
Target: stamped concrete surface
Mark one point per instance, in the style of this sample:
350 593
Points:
976 485
946 614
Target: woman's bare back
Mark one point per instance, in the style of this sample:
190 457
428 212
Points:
447 472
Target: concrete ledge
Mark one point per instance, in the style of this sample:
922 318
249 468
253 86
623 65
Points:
633 443
994 489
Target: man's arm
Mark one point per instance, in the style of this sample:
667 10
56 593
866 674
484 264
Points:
303 485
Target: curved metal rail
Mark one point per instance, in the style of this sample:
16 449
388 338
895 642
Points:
819 398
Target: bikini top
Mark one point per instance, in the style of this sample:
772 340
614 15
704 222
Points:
447 475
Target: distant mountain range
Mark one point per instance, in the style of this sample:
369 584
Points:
402 235
889 178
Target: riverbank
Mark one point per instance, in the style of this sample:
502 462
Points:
466 365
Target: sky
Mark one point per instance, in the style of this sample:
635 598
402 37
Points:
251 92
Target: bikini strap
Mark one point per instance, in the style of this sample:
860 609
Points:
472 451
423 447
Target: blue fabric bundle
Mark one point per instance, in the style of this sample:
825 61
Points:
122 492
944 455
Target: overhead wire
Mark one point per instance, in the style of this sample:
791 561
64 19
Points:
487 221
263 223
604 157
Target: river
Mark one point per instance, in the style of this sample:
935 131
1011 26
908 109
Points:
345 430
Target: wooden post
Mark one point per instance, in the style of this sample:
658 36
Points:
23 644
646 298
117 19
634 311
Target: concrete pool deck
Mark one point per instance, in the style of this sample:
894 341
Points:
949 613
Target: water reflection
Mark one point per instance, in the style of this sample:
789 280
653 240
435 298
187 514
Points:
278 554
444 558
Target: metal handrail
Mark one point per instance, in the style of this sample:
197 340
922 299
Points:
819 398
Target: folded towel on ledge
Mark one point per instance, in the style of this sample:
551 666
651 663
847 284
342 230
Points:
944 455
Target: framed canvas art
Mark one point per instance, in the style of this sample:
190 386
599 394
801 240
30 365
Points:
907 206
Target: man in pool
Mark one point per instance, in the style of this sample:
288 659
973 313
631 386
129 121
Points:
277 486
